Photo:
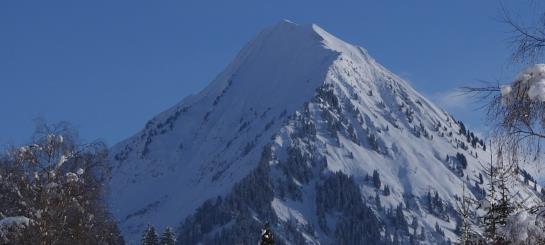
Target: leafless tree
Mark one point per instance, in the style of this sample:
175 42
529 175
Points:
57 184
518 121
528 32
518 127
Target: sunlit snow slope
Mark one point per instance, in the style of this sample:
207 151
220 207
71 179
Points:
291 133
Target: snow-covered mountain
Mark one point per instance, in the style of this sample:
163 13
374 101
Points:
306 132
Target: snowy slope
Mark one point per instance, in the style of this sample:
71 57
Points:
289 134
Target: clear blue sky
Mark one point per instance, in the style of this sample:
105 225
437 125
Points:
109 66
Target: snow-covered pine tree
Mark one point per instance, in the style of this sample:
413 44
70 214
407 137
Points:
497 201
168 237
267 236
463 208
504 174
150 236
490 220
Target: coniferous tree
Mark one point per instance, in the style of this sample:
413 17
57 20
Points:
168 237
439 230
504 173
400 221
376 179
396 238
498 204
430 202
267 236
463 227
437 202
490 219
150 236
386 190
458 230
422 236
462 160
462 127
387 236
412 240
414 225
377 201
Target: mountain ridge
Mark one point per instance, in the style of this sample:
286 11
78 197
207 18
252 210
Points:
297 117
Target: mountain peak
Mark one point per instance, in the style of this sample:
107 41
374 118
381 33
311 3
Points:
292 31
312 34
298 101
286 22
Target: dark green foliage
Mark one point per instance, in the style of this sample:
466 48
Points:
462 128
373 142
437 202
376 179
304 125
235 213
292 233
462 161
377 201
471 138
168 237
400 221
207 216
243 230
362 228
386 190
414 225
217 99
422 235
326 94
439 231
436 206
150 236
499 198
297 165
358 224
267 237
338 192
412 240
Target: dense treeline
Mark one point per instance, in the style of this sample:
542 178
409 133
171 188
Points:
358 224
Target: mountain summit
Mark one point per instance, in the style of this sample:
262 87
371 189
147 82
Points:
308 133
